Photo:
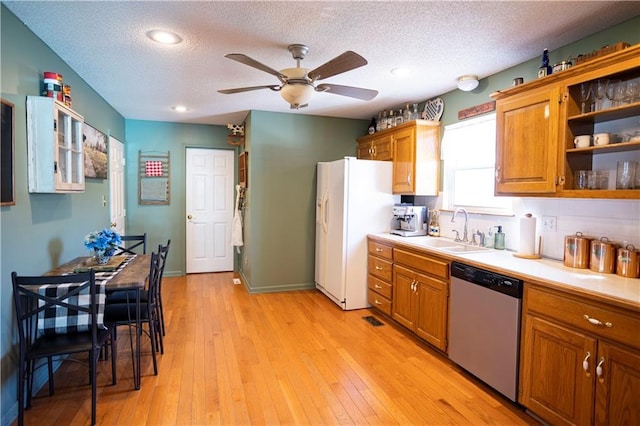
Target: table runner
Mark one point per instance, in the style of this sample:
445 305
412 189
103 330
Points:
61 320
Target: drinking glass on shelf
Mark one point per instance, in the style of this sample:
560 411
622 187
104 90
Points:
585 94
620 93
611 91
600 92
633 91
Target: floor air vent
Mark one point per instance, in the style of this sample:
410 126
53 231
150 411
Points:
373 321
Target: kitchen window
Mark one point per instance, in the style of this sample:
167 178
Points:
469 154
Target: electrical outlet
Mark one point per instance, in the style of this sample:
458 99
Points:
549 224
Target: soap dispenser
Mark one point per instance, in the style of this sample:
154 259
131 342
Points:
490 239
499 239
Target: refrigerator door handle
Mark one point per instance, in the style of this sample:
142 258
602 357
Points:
323 212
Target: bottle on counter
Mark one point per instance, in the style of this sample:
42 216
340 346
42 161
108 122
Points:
391 120
399 118
499 239
545 69
434 225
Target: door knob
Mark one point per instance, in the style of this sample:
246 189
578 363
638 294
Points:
113 224
189 217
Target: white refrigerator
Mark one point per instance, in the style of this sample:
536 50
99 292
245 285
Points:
353 199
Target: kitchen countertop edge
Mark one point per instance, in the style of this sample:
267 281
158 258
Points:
610 288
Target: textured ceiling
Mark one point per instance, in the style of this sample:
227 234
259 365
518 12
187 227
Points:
105 43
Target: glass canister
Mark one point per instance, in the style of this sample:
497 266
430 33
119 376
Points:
576 251
603 256
628 262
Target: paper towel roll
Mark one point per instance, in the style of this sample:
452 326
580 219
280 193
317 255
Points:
527 235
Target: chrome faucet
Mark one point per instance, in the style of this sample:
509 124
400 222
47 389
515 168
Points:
465 236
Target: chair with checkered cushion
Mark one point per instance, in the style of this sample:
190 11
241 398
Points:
58 316
133 244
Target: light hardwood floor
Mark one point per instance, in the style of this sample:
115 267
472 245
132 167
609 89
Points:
233 358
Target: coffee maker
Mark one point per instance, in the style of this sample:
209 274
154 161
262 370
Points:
409 221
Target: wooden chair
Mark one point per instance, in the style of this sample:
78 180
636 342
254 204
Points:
163 251
55 319
132 244
121 309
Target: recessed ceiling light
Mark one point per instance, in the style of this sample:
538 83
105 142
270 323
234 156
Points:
401 72
179 108
164 37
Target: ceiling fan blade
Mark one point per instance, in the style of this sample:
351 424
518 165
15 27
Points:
346 62
352 92
244 59
247 89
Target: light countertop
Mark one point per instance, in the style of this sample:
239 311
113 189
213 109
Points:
623 291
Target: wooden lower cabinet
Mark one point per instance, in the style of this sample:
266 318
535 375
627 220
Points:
571 371
420 301
380 275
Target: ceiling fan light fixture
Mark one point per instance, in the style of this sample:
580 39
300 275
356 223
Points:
401 72
468 82
164 37
297 93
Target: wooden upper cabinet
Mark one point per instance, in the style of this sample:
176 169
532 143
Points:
538 121
416 158
527 141
414 148
376 147
404 161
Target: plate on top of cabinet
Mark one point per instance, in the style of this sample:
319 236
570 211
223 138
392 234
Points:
433 109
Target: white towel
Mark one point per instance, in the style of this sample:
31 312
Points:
236 225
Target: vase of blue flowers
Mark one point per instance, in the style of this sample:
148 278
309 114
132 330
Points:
103 244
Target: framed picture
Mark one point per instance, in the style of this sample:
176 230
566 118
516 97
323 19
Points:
7 144
94 144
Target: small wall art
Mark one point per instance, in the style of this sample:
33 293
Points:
94 144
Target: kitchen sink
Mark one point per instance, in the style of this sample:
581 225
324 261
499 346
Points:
448 245
464 249
434 242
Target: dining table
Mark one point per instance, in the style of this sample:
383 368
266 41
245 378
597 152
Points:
124 272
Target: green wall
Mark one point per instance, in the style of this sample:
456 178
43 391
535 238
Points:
163 222
279 221
41 231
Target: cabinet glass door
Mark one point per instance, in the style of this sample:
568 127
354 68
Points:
69 165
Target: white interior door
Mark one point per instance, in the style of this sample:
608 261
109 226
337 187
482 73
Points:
209 204
116 185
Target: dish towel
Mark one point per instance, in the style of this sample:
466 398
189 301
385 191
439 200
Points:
236 225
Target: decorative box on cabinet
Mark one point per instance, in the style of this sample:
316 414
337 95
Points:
54 147
379 280
580 359
538 121
420 295
415 150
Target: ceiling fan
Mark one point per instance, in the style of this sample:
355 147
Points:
297 85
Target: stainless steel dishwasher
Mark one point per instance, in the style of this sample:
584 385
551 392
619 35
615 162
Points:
484 326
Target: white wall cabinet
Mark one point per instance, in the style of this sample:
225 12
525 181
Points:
54 147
